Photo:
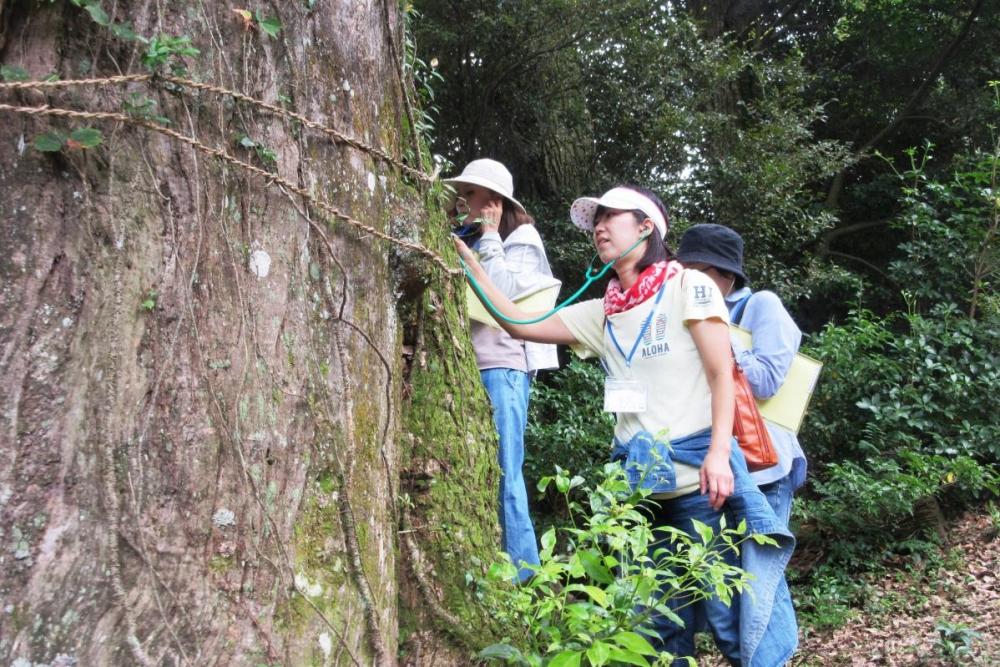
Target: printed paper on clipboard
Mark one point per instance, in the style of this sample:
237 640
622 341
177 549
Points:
538 300
788 406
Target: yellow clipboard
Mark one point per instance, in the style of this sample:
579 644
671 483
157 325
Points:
539 300
788 406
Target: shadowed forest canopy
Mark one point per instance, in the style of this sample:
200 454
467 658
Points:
765 116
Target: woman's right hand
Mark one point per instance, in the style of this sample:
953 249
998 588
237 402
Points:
716 477
464 252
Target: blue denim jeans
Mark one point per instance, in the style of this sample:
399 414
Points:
768 632
779 496
508 390
723 620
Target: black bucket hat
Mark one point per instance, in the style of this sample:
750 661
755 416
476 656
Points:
716 246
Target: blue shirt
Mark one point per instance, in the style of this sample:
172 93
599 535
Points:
776 339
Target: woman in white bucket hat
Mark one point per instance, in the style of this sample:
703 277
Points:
512 255
661 332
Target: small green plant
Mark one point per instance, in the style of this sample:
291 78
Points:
954 642
829 598
93 7
149 301
263 152
13 73
167 50
589 603
269 25
140 106
80 138
994 513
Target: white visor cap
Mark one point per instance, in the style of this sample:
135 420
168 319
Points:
621 199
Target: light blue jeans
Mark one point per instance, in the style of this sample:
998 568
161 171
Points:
508 390
779 495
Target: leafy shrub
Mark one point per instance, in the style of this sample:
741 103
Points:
854 498
590 603
952 227
906 382
567 425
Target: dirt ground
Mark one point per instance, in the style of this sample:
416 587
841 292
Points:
900 625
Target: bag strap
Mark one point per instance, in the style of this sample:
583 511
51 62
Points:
737 314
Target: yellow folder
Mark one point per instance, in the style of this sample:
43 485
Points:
788 406
539 300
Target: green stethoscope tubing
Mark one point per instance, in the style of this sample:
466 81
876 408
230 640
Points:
590 278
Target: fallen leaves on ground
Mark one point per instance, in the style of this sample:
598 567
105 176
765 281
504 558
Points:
899 624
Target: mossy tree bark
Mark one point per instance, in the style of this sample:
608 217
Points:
216 450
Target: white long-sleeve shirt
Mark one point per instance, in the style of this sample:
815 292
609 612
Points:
517 266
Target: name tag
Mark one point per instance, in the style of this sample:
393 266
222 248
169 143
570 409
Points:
624 396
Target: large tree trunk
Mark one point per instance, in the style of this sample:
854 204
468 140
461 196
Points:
208 457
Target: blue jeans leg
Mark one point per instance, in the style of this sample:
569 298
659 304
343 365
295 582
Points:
722 619
508 390
779 496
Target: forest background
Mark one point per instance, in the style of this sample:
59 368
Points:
855 146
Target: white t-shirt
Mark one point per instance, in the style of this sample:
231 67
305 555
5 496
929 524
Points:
666 361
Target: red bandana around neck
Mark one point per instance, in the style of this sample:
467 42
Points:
617 300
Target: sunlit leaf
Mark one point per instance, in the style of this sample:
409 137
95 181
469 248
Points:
567 659
87 137
270 25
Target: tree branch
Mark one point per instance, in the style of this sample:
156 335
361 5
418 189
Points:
918 96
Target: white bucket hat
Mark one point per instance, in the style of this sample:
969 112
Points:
491 175
621 199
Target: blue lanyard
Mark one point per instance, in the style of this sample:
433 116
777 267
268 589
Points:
642 331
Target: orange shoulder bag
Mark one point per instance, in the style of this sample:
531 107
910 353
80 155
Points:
749 428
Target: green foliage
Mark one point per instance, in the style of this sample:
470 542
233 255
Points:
85 137
140 106
892 425
149 300
828 598
951 228
101 18
589 604
166 50
80 138
567 425
162 50
269 25
425 76
263 152
93 7
905 382
50 142
13 73
954 642
869 499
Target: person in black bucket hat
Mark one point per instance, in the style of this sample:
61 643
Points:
717 251
709 246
